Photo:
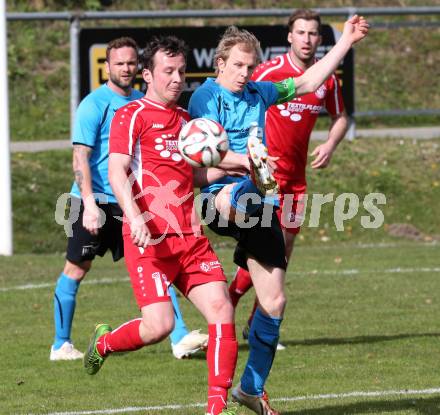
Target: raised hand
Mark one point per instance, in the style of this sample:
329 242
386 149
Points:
355 28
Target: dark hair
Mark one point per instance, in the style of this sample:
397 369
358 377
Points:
119 43
171 45
305 14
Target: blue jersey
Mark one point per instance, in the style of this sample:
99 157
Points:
92 128
236 112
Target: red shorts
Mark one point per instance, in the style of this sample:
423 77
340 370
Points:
184 262
293 200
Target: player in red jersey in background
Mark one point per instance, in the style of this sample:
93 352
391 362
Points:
289 126
162 238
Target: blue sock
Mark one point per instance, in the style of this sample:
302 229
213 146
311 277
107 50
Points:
180 329
263 339
248 204
64 308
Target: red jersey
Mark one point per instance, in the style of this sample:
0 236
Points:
289 125
162 180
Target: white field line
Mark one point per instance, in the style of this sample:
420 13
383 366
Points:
354 271
432 244
52 284
342 272
359 394
384 245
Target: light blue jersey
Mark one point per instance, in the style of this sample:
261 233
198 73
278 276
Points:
235 112
92 128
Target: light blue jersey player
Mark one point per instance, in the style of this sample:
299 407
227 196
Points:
92 196
235 207
238 112
92 129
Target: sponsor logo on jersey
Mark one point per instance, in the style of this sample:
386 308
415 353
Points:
166 145
293 110
156 125
300 107
208 266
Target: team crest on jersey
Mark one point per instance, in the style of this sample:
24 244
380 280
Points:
321 91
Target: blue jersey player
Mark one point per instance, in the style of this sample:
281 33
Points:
94 212
239 207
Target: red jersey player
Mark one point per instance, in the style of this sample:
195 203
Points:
162 240
289 125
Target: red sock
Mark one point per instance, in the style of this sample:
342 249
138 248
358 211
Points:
221 358
125 338
239 285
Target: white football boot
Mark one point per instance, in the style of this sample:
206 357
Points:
260 173
257 404
66 352
190 344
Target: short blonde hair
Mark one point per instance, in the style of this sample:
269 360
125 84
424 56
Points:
235 36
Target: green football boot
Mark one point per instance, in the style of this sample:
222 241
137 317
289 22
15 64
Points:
92 359
229 411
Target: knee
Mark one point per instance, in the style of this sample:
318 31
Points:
77 271
222 309
157 329
280 303
275 305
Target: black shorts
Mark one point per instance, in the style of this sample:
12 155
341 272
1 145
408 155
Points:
264 241
83 246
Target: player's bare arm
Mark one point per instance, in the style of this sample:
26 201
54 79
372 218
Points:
83 177
324 152
235 161
205 176
355 29
117 172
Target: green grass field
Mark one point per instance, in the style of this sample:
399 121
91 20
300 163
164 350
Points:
362 331
362 324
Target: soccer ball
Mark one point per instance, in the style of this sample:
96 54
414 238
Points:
203 142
